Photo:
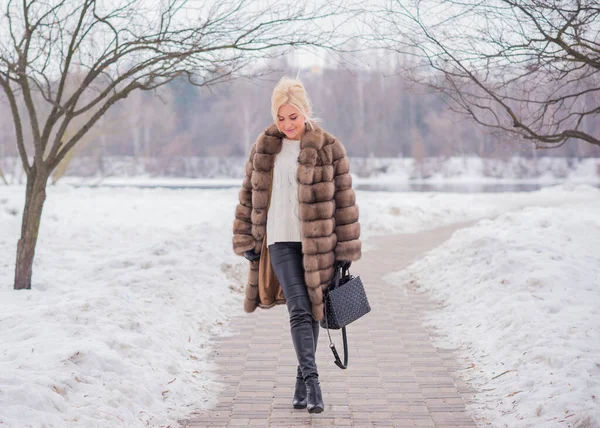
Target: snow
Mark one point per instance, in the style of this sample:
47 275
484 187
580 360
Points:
519 297
129 284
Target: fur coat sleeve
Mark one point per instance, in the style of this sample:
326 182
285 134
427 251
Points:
347 227
242 225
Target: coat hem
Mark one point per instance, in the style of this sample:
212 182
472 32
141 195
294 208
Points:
270 305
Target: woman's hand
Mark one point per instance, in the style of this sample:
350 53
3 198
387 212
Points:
344 264
251 255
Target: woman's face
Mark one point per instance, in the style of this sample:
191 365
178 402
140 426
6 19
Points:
291 122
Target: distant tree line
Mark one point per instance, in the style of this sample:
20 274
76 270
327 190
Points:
374 112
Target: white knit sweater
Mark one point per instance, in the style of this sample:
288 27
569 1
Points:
283 218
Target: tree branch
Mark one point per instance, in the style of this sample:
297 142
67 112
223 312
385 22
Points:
528 59
55 159
52 118
5 84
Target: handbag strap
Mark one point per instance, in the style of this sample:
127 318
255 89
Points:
336 356
338 361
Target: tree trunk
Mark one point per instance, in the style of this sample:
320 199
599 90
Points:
35 197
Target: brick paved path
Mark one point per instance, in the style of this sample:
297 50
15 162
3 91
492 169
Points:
396 376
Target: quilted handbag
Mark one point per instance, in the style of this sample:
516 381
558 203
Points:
345 301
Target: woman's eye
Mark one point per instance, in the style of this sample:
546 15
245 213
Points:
294 118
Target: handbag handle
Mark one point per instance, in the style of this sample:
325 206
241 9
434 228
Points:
336 279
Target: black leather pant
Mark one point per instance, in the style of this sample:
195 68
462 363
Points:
286 260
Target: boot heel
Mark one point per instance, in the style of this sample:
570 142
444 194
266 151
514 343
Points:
314 397
299 401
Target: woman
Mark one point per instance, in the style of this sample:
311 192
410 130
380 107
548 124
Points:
297 220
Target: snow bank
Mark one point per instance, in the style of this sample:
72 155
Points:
387 212
127 287
520 297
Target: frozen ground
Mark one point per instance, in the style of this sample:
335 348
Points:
519 296
129 283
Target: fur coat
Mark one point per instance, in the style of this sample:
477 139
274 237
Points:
328 214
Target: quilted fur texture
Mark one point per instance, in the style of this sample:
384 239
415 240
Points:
328 210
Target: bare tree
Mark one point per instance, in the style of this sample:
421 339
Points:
65 63
526 67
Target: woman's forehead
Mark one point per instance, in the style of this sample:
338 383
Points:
287 110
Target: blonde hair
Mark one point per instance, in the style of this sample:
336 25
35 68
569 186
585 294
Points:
291 91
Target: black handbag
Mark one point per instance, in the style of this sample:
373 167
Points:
345 301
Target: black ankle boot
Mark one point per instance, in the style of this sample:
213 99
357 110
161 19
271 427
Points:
300 394
314 399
